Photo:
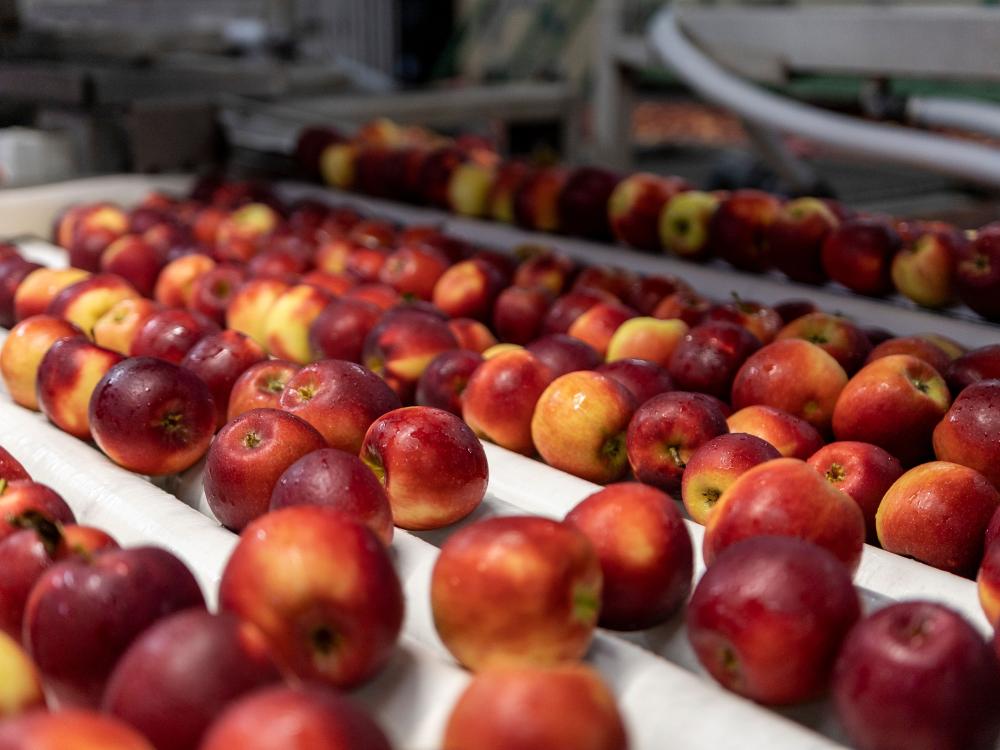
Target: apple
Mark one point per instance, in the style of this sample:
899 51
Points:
383 296
769 616
563 354
645 293
280 264
684 305
10 468
507 182
987 580
579 425
518 314
894 402
36 291
170 334
546 572
715 465
288 321
83 614
220 359
21 691
303 717
635 205
40 543
786 497
570 306
938 513
69 729
339 480
134 259
241 234
499 401
321 588
154 689
915 346
790 309
795 239
645 551
13 271
791 436
571 709
858 254
260 386
665 431
969 434
642 378
67 376
337 164
794 376
708 357
175 284
413 270
982 363
23 501
94 229
84 302
762 321
924 270
23 351
340 399
117 328
152 417
583 202
339 331
949 346
684 223
598 325
468 289
611 279
546 269
432 466
212 292
837 336
536 201
444 381
978 264
472 335
863 471
739 227
916 674
403 343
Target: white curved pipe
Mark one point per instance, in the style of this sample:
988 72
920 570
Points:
963 114
847 134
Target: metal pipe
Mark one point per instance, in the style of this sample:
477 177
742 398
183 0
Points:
939 154
963 114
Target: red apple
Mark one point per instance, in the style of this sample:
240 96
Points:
546 573
598 325
321 588
795 239
468 289
635 205
536 202
969 434
117 328
858 254
643 379
23 351
36 291
567 308
837 336
13 271
546 269
708 357
10 468
212 292
916 346
715 465
979 364
762 321
134 259
69 729
289 320
791 309
23 501
84 302
684 305
977 274
67 376
171 334
220 359
444 381
518 314
563 354
685 223
924 270
506 184
738 230
174 285
260 386
791 436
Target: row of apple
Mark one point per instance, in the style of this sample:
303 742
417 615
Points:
809 240
855 511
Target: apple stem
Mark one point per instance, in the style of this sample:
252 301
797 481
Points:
675 456
3 485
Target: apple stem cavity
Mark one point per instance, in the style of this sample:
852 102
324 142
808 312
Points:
324 640
835 474
48 531
376 466
251 440
711 496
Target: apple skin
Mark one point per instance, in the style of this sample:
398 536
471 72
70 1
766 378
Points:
979 364
339 480
915 346
26 554
792 309
715 465
518 314
23 351
153 684
303 717
795 239
339 331
762 321
468 289
289 320
938 513
858 254
791 436
13 271
22 690
219 359
67 376
212 292
863 471
924 270
170 334
546 571
646 338
248 308
444 381
340 399
987 583
413 270
69 729
786 497
769 616
260 386
499 400
23 500
563 354
665 431
580 423
83 614
118 327
969 434
684 305
84 302
95 229
152 417
175 284
570 306
645 551
403 343
507 182
598 325
602 278
977 273
11 469
645 293
571 709
583 202
894 402
545 269
536 202
916 675
837 336
739 227
37 290
472 335
642 378
322 589
248 457
134 259
635 205
432 466
794 376
684 224
708 357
